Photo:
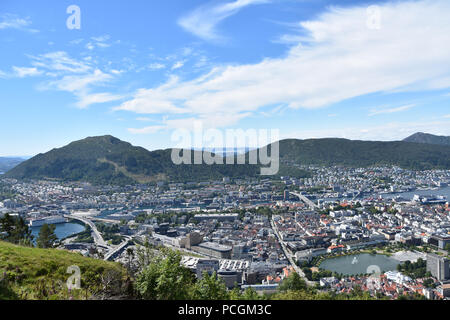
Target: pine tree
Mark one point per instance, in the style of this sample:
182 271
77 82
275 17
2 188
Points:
47 236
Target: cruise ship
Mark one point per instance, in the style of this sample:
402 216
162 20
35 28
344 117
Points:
47 220
431 199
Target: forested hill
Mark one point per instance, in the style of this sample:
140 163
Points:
421 137
355 153
108 160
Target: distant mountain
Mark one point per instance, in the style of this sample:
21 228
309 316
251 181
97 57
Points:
354 153
7 163
421 137
108 160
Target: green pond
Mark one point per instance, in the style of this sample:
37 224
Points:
360 263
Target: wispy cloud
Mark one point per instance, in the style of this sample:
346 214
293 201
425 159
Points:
386 132
178 65
146 130
78 77
81 85
203 20
378 111
60 62
12 21
207 121
342 59
23 72
87 99
156 66
98 42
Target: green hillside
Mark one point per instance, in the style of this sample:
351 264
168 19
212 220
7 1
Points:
416 156
108 160
32 273
421 137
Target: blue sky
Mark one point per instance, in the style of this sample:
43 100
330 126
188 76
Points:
138 70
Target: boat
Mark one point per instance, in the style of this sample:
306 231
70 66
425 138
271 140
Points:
47 220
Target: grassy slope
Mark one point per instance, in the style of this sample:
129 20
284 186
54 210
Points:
34 273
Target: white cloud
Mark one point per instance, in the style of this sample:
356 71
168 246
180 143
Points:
103 38
60 61
387 132
75 41
80 86
85 100
178 65
12 21
207 122
378 111
146 130
74 76
23 72
202 21
342 59
156 66
74 83
99 42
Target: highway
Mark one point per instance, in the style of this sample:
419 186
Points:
289 256
97 235
105 220
111 254
311 204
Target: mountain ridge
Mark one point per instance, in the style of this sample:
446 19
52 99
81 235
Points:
421 137
7 163
109 160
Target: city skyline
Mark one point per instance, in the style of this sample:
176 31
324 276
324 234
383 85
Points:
312 69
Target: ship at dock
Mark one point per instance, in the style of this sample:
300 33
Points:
47 220
431 199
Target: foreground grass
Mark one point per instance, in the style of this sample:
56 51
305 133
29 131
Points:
33 273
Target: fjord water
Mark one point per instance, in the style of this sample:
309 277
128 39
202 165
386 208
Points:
63 230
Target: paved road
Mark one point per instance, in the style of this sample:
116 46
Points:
111 254
311 204
289 256
105 220
97 235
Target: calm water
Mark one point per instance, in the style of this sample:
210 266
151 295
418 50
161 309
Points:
409 195
62 230
357 264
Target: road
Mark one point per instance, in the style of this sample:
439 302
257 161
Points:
111 254
289 256
105 220
311 204
99 241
